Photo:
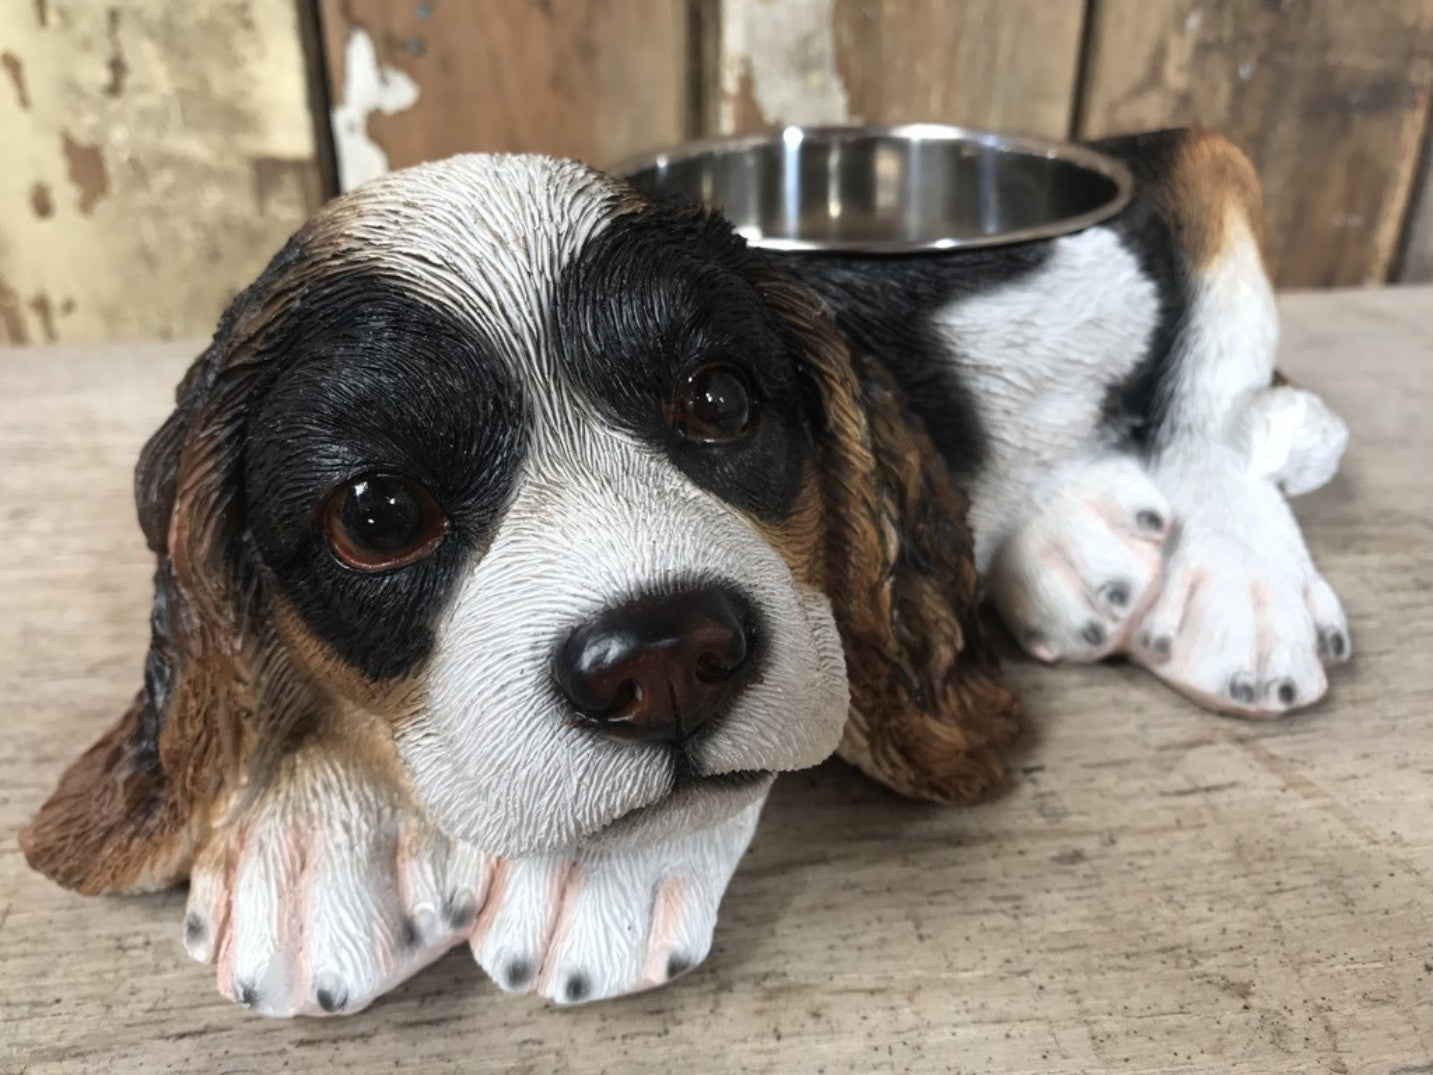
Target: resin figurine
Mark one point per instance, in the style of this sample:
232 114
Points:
515 531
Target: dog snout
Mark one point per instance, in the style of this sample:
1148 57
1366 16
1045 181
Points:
658 668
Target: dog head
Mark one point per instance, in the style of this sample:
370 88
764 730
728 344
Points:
575 496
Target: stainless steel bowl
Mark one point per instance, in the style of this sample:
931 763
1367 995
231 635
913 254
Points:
889 190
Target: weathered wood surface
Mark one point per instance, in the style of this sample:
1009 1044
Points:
593 79
1007 64
153 156
1161 890
1330 99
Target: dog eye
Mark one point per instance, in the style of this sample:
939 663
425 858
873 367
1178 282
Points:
715 404
379 522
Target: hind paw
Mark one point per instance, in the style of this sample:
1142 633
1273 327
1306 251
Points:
1243 623
1084 564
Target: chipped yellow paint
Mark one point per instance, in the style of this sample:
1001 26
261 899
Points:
156 154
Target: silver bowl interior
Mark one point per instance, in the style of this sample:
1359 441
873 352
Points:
889 190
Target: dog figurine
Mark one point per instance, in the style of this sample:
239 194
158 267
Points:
514 531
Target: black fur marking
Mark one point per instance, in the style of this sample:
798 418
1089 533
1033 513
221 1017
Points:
1332 642
577 988
459 910
657 294
518 974
677 965
1136 410
884 308
374 379
194 929
159 667
1241 690
1152 521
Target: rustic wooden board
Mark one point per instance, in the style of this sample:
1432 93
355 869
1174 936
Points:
423 79
1161 889
1009 64
1330 99
154 154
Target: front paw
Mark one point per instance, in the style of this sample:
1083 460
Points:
599 923
327 891
1084 563
1243 623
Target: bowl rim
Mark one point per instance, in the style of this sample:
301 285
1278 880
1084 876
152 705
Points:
1071 153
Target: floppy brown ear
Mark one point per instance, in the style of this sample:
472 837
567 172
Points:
128 813
929 712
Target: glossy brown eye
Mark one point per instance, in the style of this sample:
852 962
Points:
715 404
379 522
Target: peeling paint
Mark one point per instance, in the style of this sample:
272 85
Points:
368 87
86 168
779 62
15 68
41 202
118 69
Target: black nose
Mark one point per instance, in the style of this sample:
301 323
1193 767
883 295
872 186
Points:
658 668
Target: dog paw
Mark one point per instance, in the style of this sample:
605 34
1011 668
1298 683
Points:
1293 439
326 892
603 922
1083 565
1243 622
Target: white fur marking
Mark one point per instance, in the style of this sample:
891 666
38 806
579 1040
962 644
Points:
1042 351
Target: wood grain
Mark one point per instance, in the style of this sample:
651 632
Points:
1009 64
1329 99
1161 890
154 154
593 79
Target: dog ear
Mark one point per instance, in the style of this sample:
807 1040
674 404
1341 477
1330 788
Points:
929 712
129 812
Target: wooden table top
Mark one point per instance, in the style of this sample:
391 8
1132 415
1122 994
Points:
1160 890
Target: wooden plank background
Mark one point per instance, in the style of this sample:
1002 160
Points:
162 150
1329 98
153 155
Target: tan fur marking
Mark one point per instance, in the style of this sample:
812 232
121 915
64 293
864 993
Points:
929 714
1210 190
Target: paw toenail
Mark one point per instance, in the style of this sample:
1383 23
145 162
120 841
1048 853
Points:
1332 642
246 994
1242 691
1286 693
460 910
194 930
1116 594
331 1000
1093 633
408 933
1163 646
518 974
677 965
1150 520
576 989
